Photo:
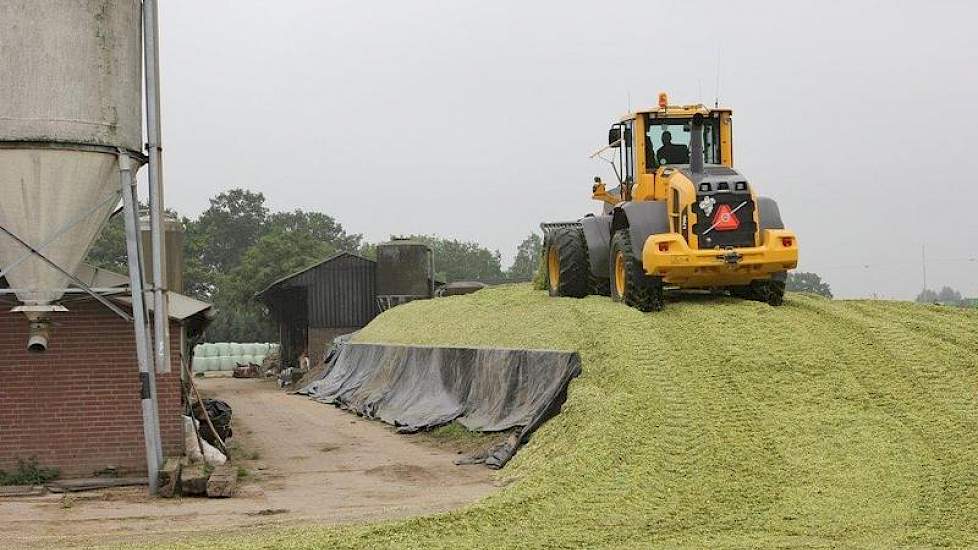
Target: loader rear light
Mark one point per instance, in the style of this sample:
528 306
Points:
787 242
663 247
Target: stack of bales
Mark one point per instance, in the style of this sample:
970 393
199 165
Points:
224 356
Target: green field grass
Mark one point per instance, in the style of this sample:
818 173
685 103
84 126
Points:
715 423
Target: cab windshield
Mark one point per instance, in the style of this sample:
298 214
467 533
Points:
667 141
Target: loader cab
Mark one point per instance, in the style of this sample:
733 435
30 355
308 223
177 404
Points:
667 141
636 141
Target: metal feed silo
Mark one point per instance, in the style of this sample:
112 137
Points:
405 272
173 237
70 85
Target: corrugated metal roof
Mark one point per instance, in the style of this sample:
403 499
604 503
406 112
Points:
180 307
332 258
340 291
97 277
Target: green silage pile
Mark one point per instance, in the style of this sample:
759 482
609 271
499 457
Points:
715 423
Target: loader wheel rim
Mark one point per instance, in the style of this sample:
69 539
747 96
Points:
620 273
553 267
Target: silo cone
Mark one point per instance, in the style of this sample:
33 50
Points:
69 100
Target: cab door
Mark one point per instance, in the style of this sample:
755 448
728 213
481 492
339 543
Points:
627 157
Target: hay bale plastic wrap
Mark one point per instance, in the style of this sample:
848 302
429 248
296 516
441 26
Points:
205 350
204 364
224 356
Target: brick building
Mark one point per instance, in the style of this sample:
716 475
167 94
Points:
76 406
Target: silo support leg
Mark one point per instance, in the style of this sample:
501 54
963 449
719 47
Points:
147 376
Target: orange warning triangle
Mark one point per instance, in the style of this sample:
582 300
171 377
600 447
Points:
725 219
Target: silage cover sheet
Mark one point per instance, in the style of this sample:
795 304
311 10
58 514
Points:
422 387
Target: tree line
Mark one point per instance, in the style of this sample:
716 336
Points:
237 247
946 296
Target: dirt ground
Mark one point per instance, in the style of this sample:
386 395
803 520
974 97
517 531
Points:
305 462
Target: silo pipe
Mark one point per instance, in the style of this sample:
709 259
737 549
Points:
154 136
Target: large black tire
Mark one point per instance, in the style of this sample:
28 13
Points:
541 280
628 281
568 270
600 286
769 291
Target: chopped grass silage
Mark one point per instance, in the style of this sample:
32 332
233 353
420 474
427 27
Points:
715 423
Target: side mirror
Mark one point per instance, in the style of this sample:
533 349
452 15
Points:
614 136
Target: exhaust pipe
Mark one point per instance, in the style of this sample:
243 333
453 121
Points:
696 145
38 334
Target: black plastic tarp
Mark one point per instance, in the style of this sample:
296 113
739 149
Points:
421 387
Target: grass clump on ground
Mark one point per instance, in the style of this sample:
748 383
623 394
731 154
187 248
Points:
715 423
458 438
28 472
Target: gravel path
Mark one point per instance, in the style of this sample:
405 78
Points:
309 463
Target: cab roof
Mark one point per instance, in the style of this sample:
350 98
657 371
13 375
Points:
678 111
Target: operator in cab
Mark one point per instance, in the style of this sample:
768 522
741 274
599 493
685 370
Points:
672 153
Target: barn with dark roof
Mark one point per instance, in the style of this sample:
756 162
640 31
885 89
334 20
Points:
311 307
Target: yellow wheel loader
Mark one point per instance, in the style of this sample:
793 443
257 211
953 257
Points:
680 217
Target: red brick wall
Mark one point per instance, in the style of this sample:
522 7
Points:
76 407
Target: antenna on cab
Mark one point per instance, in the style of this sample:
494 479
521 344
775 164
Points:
716 98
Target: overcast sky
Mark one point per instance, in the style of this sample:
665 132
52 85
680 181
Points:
475 120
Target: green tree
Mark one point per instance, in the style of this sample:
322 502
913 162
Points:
368 250
236 248
946 296
459 261
109 249
239 316
527 258
801 281
318 225
229 227
199 279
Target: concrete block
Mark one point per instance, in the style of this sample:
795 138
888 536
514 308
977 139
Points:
170 478
223 481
